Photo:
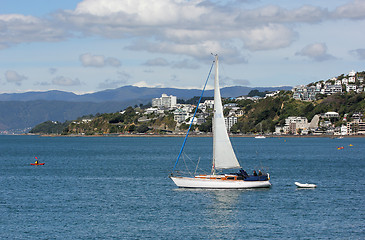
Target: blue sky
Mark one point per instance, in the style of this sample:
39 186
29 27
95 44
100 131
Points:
93 45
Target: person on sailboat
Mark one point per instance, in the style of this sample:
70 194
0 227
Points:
260 173
254 173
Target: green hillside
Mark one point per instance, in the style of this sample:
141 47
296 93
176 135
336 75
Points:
272 111
262 115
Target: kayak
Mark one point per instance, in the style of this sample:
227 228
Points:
305 185
36 164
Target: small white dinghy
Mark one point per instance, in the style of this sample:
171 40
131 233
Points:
305 185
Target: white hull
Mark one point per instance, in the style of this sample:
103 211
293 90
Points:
187 182
305 185
260 137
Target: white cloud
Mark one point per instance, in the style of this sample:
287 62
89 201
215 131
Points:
121 79
315 51
359 53
276 14
89 60
142 12
156 62
17 28
351 10
110 83
65 81
52 71
185 64
238 82
193 28
161 62
270 36
14 77
199 51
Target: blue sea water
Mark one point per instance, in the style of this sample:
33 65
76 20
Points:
118 188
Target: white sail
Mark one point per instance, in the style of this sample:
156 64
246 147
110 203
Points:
223 154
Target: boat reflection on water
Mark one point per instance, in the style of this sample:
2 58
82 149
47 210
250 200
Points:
223 211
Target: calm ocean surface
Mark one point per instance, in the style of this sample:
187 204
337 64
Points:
118 188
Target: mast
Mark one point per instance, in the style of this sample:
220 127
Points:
216 86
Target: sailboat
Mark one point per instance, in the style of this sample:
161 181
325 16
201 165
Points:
260 136
223 156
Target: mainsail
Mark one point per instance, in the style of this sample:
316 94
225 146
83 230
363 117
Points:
223 154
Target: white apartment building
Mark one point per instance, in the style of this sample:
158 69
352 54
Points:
209 103
352 79
180 115
230 121
356 128
331 115
305 93
272 94
164 101
331 89
343 130
338 82
293 124
183 112
351 87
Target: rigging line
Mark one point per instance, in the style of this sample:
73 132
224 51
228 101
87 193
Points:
191 122
197 165
186 166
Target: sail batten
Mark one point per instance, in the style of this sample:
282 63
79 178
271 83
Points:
223 154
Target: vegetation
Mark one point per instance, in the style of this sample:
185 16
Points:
194 100
258 116
50 127
255 92
269 112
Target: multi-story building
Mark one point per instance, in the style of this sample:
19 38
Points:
338 82
230 121
343 130
180 115
352 78
164 101
355 128
350 87
331 89
209 103
293 124
305 93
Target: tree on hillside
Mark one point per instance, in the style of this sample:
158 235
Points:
256 92
142 128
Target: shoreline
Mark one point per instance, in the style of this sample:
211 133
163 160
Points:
197 135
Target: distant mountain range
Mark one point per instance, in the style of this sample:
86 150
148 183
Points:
23 110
